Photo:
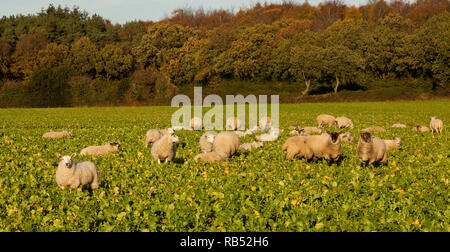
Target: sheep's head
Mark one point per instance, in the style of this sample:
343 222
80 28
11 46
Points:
211 138
67 159
116 146
397 140
257 144
174 138
365 136
170 131
69 133
334 136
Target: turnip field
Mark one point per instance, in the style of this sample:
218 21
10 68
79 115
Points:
254 191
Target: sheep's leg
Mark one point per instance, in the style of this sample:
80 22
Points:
94 184
159 161
166 160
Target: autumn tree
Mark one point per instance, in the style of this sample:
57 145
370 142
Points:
83 55
5 58
25 57
111 62
54 55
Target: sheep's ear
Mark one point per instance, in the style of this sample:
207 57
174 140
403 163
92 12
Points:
73 155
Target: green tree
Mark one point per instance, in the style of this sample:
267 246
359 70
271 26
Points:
111 62
83 56
5 58
54 55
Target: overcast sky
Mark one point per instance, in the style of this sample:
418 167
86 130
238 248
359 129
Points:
121 11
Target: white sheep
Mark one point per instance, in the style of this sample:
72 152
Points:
196 124
325 119
392 144
310 130
75 174
374 129
398 125
154 135
102 149
272 136
344 122
252 145
211 157
327 147
226 142
164 149
347 137
57 134
207 140
233 123
296 147
421 128
265 123
371 150
436 125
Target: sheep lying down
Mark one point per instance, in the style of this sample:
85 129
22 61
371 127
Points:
102 149
57 134
74 174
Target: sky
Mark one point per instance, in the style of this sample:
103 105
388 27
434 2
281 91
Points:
121 11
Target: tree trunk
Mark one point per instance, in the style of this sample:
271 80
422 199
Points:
337 84
308 84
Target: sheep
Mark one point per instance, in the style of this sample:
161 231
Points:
164 149
252 145
328 120
296 147
344 122
392 144
310 130
73 174
420 128
196 124
253 130
265 123
436 125
154 135
373 129
211 157
294 133
233 123
371 150
102 149
398 125
207 140
347 137
272 136
226 142
240 133
57 134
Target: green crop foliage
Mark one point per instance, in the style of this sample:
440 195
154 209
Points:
254 191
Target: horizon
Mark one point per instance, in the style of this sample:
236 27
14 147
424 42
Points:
122 11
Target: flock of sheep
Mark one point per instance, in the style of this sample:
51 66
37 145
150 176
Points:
220 146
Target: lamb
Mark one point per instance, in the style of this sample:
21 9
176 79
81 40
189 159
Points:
73 174
154 135
233 123
211 157
102 149
344 122
226 142
272 136
252 145
310 130
57 134
398 125
421 128
328 120
164 149
371 150
196 124
265 123
392 144
207 140
373 129
436 125
347 137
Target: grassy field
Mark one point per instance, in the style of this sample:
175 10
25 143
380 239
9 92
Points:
254 191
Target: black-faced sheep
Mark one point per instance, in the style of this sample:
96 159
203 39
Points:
371 150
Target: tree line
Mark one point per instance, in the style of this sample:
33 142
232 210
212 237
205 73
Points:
66 57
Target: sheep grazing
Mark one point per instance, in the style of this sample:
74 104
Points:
328 120
265 123
310 130
154 135
371 150
272 136
296 147
436 125
207 140
398 125
196 124
347 137
75 174
211 157
164 149
250 146
233 123
374 129
326 146
102 149
227 143
57 134
392 144
344 122
420 128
